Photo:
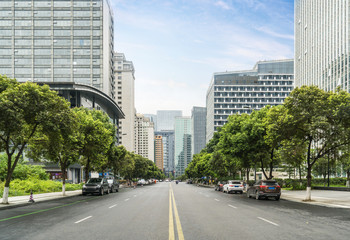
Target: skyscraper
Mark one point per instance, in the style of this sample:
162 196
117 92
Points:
183 144
158 152
144 137
199 116
322 43
168 139
65 44
268 83
166 119
125 97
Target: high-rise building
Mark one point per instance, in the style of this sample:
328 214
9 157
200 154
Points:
322 44
199 117
65 44
153 118
168 138
183 144
125 97
158 152
166 119
237 92
144 137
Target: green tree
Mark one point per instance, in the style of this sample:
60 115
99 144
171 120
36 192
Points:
26 109
60 145
97 136
314 118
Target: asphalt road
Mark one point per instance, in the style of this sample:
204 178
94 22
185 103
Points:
170 211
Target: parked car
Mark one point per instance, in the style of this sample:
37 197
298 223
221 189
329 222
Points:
141 182
219 186
113 185
189 181
96 185
264 189
233 186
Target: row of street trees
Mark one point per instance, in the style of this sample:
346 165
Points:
310 125
36 119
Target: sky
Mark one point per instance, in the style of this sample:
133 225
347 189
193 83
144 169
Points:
177 45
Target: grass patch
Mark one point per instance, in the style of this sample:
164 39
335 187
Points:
23 187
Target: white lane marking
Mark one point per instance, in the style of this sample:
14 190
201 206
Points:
207 195
134 195
83 219
232 206
268 221
113 206
127 199
217 200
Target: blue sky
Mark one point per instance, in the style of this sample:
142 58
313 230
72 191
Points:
177 45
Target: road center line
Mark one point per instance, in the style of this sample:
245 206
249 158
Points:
127 199
180 233
113 206
171 219
232 206
268 221
83 219
134 195
217 200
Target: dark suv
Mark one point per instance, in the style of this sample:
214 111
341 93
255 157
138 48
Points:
96 185
265 189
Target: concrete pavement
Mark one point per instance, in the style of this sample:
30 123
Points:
327 198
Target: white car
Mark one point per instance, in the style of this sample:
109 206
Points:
233 186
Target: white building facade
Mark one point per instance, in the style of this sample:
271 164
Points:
268 83
322 43
144 137
125 98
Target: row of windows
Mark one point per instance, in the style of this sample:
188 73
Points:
260 100
48 33
275 88
47 3
48 51
248 94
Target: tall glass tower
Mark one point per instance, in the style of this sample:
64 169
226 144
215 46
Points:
322 39
183 144
166 119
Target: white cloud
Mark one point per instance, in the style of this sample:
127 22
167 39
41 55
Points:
223 5
274 34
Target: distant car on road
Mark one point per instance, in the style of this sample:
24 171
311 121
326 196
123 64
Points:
189 181
219 186
96 185
141 182
113 185
264 189
233 186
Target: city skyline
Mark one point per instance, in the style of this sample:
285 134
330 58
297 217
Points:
176 46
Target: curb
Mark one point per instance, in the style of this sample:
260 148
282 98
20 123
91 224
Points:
15 205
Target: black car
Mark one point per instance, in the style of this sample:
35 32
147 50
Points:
113 185
96 185
264 189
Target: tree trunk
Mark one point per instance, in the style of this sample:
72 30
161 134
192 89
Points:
247 185
262 168
5 195
87 170
308 188
348 178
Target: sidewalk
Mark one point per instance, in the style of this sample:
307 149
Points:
327 198
24 200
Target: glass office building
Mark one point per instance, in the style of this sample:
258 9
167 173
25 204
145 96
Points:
268 83
322 43
166 119
199 117
183 144
168 151
58 41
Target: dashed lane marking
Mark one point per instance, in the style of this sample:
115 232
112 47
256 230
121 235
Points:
83 219
217 200
127 199
268 221
232 206
113 206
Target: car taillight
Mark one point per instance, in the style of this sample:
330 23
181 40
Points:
241 186
262 187
231 185
278 186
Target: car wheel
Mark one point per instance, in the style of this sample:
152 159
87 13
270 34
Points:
102 191
241 192
117 190
257 197
107 190
277 198
84 194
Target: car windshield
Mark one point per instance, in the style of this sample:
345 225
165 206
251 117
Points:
269 183
94 180
236 182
